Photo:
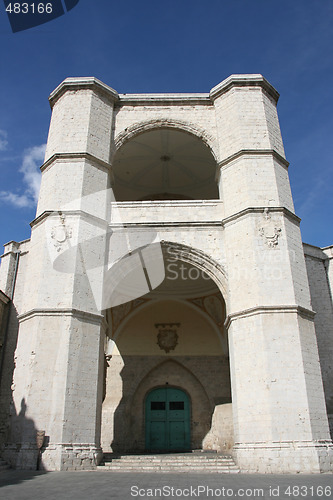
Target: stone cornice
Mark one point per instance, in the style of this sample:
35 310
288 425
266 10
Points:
254 152
184 223
187 99
14 248
255 80
165 224
85 315
255 210
80 213
164 99
328 252
75 156
280 309
82 83
4 298
316 253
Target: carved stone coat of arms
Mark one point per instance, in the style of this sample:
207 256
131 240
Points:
167 337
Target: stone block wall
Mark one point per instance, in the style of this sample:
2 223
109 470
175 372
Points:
130 378
4 304
317 263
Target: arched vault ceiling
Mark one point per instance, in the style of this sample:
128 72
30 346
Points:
182 280
164 161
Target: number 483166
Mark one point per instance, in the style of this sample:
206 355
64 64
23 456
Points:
308 491
29 8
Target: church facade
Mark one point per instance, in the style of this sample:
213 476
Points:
165 300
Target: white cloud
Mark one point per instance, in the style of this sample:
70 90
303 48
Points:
20 201
3 140
32 159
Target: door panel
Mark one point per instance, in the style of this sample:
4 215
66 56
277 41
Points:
167 419
158 435
176 434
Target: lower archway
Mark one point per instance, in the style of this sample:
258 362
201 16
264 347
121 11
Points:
167 420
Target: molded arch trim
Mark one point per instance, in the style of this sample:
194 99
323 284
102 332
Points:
145 126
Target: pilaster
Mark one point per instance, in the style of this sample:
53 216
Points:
57 382
7 268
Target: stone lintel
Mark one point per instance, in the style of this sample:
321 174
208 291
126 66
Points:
233 81
253 311
82 83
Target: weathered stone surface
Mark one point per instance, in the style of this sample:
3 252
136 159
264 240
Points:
257 289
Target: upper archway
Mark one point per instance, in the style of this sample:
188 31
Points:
164 164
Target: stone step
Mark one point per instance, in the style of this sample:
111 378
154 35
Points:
204 465
171 460
196 462
188 469
147 462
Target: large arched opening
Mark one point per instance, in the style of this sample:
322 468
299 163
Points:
164 163
174 336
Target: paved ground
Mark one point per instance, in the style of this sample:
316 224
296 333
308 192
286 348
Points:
100 485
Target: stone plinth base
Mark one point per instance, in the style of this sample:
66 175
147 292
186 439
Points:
21 457
285 457
65 457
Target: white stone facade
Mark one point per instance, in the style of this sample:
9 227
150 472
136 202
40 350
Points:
271 414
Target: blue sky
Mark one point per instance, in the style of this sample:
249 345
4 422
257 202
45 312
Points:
173 46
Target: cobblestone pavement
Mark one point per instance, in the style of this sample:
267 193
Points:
100 485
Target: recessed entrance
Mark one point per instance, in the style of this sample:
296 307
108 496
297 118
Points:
167 420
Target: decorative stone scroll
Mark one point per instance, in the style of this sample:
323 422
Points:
60 234
269 230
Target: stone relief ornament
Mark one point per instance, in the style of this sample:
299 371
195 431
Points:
60 234
269 230
167 337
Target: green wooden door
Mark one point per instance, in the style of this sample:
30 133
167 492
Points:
167 420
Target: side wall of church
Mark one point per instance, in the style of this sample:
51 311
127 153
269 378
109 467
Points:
8 410
318 264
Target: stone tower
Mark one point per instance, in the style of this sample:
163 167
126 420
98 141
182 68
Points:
203 177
